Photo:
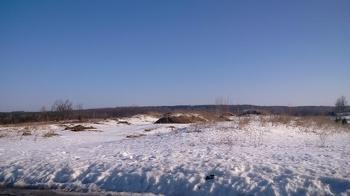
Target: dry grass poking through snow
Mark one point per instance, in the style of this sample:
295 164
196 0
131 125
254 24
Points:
243 122
50 133
251 130
26 131
322 126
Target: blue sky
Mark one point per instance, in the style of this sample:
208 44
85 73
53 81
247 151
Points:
119 53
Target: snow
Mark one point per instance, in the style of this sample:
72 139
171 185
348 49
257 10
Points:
199 159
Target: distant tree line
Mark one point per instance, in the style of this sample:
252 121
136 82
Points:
62 110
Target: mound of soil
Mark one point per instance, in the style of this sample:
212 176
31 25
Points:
179 119
251 112
79 128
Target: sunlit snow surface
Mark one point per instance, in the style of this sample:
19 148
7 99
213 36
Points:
217 159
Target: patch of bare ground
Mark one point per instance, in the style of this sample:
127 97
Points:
77 128
135 135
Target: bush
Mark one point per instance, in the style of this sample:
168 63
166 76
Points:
344 121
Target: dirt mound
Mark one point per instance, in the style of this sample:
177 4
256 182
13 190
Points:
79 128
180 119
252 112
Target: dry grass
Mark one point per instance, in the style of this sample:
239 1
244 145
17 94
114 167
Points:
243 122
50 133
79 128
276 120
26 131
315 123
307 123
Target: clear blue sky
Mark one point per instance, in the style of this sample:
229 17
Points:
118 53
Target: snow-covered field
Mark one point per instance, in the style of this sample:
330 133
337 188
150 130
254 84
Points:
218 159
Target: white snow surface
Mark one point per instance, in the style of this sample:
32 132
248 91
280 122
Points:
209 159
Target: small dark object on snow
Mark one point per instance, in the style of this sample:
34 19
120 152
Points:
210 177
172 127
124 122
135 136
78 128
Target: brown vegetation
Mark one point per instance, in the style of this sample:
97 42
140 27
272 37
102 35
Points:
50 133
79 128
243 122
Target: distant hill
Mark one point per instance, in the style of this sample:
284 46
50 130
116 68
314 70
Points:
18 117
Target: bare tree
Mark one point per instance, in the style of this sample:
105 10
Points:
341 104
222 105
79 108
43 113
63 109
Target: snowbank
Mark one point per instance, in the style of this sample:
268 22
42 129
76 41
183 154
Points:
217 159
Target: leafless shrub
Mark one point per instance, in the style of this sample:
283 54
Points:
341 104
79 108
44 114
63 109
323 135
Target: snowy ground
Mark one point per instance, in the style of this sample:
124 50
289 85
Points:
218 159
